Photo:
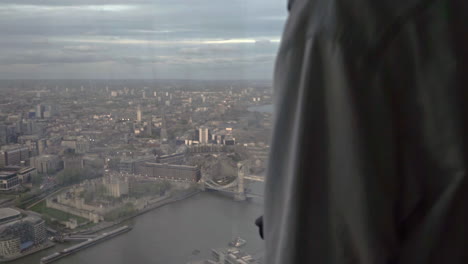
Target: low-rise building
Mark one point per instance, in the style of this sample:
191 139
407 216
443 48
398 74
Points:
170 172
132 165
8 180
18 234
8 215
25 174
78 144
176 158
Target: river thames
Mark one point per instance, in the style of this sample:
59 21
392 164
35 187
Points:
172 234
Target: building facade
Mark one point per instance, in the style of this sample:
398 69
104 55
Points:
20 234
170 172
8 180
73 162
9 246
131 166
47 164
13 155
79 145
25 174
203 135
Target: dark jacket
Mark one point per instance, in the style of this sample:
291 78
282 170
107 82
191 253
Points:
370 146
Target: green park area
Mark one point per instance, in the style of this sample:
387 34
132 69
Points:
124 211
50 213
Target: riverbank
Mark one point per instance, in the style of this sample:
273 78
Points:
83 245
156 205
173 232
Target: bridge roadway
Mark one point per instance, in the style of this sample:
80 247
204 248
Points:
234 187
232 192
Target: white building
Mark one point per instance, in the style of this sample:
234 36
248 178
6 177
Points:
203 135
139 114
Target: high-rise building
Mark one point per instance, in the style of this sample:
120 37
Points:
49 111
3 135
39 111
163 133
139 113
203 135
46 163
149 129
13 155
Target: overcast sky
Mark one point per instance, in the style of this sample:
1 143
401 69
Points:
181 39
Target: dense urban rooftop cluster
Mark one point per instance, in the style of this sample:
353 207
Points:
55 134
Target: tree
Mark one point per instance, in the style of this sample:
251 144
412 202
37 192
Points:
72 176
37 180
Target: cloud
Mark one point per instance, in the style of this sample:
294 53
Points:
210 50
32 58
172 35
84 48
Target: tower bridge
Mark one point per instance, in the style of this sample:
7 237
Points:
237 186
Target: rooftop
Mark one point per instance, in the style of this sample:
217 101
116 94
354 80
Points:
8 212
13 147
7 174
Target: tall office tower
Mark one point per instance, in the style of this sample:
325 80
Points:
203 135
149 129
139 114
163 134
39 112
3 135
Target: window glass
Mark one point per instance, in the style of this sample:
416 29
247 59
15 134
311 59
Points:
135 131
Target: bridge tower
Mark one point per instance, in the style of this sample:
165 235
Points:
242 170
